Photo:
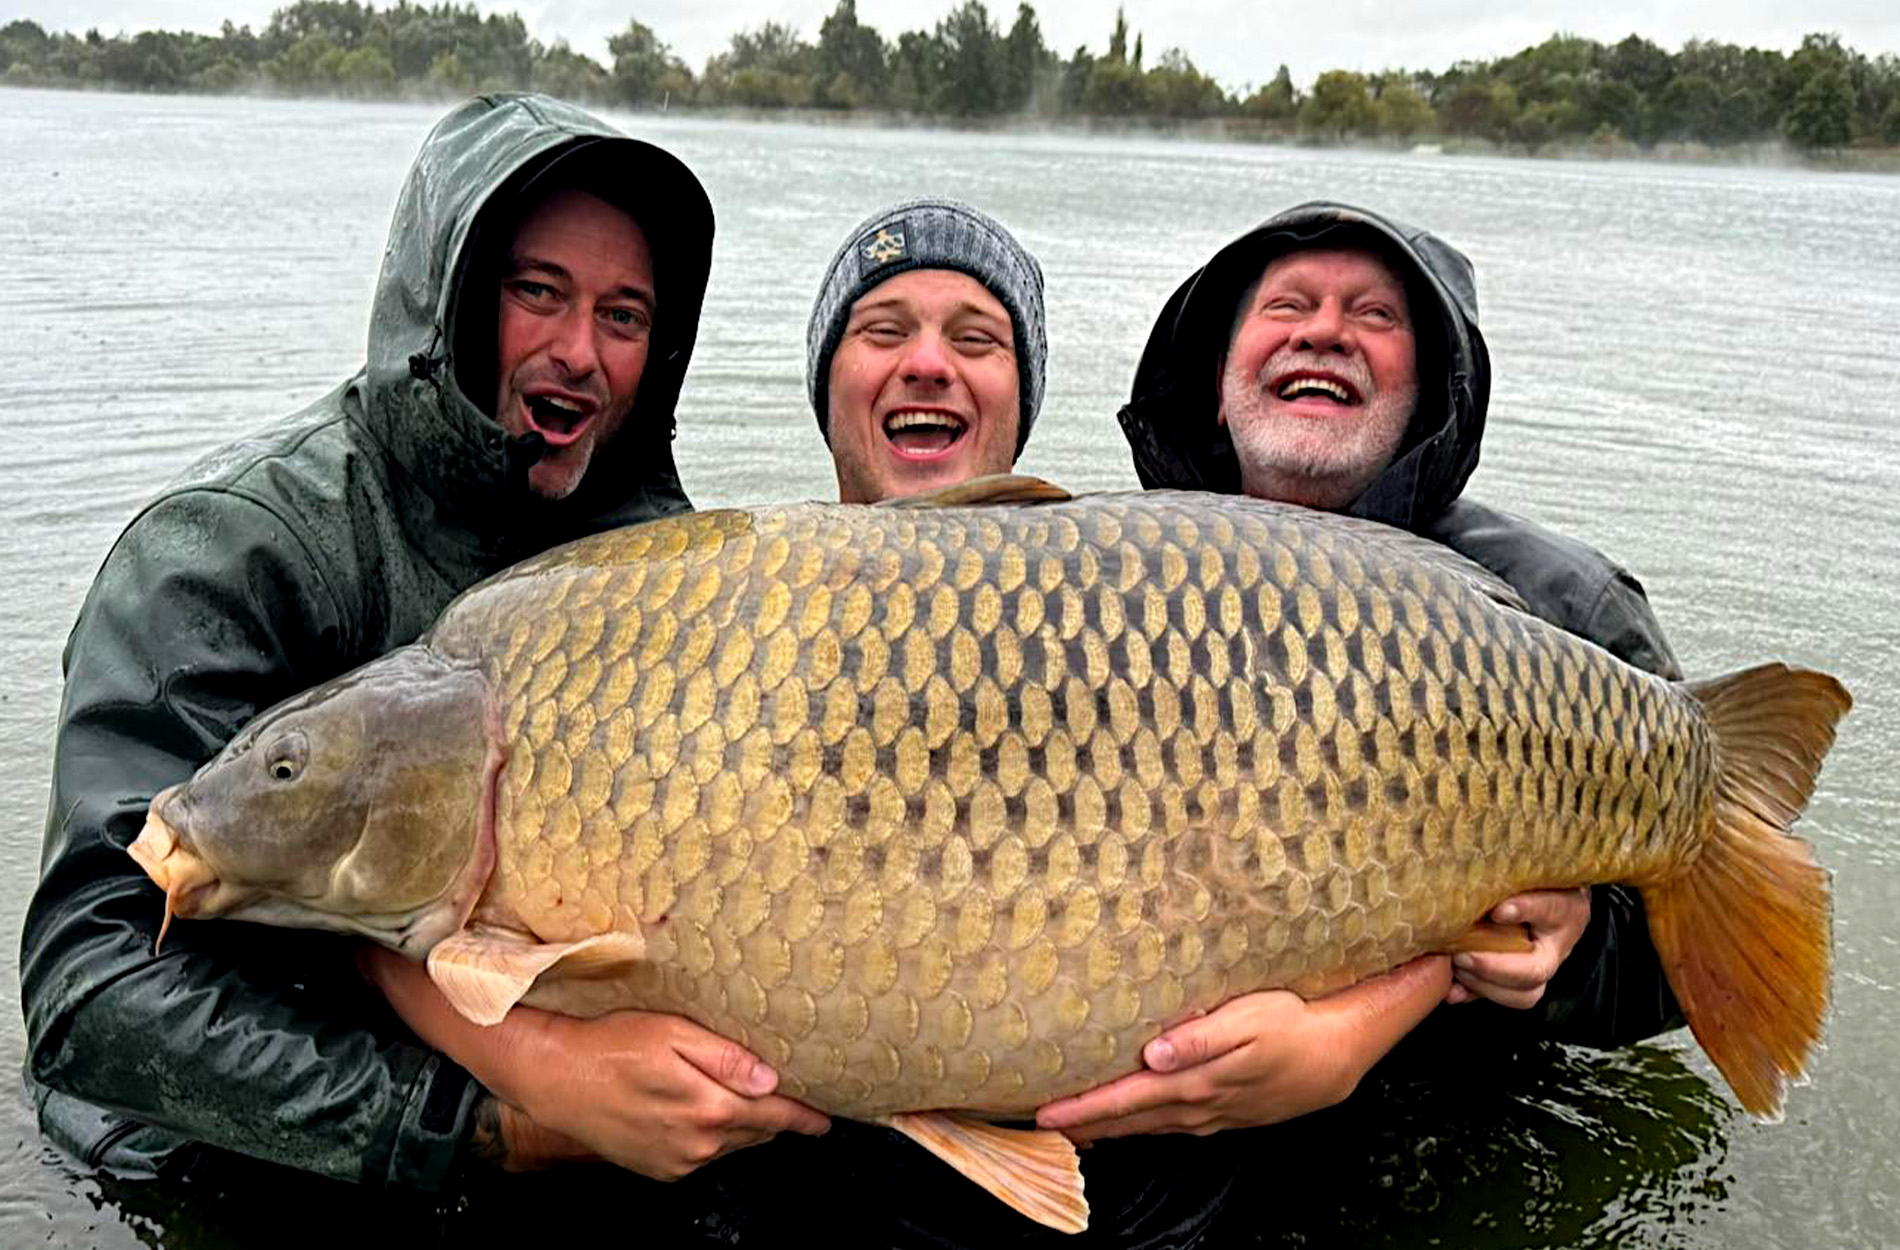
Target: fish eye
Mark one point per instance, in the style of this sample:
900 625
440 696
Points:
284 761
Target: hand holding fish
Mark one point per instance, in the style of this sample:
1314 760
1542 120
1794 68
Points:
1555 919
1259 1059
654 1093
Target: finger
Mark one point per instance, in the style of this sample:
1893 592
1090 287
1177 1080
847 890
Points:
1509 973
1171 1118
776 1114
1517 1000
725 1061
1141 1091
1221 1031
1546 910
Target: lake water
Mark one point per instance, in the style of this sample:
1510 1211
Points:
1698 370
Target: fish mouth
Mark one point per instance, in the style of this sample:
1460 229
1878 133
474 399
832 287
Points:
559 417
922 433
1308 386
190 883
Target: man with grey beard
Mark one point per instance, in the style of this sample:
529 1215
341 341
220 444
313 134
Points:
1331 358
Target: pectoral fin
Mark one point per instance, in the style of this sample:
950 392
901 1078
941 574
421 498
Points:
1033 1170
484 971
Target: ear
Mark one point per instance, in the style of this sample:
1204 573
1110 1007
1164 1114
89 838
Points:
1220 388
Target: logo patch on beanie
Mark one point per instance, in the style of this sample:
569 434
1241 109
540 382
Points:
886 245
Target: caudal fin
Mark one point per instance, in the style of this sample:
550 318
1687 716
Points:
1745 933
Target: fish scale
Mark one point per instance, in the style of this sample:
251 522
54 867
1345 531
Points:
945 807
1056 776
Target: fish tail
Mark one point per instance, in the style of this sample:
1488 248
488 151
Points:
1744 932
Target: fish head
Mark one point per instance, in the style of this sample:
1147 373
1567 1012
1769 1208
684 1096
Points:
363 805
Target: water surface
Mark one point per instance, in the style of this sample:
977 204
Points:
1697 369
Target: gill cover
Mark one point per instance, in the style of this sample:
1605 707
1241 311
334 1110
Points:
362 804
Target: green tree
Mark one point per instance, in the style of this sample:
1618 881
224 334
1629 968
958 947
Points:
852 61
916 69
1823 113
561 71
1485 109
1025 60
1690 107
1275 102
1403 111
449 74
365 72
972 60
1337 106
1115 89
645 68
1175 87
23 42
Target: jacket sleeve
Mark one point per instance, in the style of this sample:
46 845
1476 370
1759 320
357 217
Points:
259 1040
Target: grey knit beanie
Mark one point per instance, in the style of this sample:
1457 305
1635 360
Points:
931 234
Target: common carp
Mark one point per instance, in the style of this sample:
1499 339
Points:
958 803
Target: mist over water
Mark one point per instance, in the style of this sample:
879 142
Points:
1696 369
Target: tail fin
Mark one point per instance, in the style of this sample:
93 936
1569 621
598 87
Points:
1744 933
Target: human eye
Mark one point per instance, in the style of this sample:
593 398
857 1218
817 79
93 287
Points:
530 291
629 321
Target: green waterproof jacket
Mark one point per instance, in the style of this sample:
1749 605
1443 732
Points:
277 563
1611 990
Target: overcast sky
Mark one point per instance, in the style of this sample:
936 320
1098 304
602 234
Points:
1238 41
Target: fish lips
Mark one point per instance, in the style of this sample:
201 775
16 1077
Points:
191 884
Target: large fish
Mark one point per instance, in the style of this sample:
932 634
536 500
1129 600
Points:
955 806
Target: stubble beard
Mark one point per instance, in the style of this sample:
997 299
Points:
1320 462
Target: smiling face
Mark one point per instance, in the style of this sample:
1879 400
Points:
923 389
576 322
1320 377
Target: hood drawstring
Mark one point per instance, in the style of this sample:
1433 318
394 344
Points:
426 365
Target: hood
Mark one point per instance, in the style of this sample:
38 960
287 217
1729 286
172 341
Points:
431 374
1171 418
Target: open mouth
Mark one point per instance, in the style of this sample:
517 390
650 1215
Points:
1315 386
190 884
556 418
923 431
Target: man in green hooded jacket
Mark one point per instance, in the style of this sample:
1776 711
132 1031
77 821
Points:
536 311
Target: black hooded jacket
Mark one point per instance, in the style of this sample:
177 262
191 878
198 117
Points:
277 563
1611 990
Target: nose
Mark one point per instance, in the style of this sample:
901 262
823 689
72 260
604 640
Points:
1326 328
926 362
572 346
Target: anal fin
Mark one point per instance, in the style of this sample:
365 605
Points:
1036 1171
483 971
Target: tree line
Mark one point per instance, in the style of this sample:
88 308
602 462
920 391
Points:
1567 89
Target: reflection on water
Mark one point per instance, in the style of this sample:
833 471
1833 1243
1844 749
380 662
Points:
1695 371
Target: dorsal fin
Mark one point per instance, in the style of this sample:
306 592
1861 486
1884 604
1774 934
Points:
996 488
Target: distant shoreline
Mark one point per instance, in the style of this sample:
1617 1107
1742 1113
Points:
1236 130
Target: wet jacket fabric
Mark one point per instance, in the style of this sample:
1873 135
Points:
1610 991
276 563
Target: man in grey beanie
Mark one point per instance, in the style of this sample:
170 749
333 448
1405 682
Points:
925 351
